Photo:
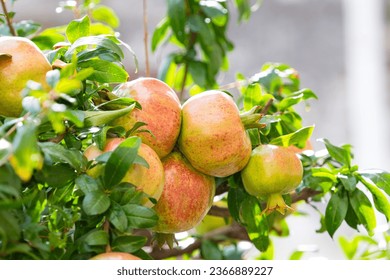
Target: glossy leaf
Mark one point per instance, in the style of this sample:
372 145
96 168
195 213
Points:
335 212
160 33
210 251
256 223
105 71
54 153
139 216
107 15
96 202
120 161
78 28
363 209
378 177
177 18
340 154
215 11
96 238
298 137
129 244
117 217
252 96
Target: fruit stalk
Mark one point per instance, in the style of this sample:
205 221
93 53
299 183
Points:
9 22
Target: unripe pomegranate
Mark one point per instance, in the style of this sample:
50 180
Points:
160 111
212 136
149 180
115 256
271 172
186 198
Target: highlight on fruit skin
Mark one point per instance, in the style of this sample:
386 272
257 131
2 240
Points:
271 172
213 137
115 256
21 61
161 112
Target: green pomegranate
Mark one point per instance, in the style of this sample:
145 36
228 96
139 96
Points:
271 172
160 111
149 180
186 198
20 61
212 136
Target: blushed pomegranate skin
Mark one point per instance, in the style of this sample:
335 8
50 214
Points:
115 256
161 112
186 198
212 136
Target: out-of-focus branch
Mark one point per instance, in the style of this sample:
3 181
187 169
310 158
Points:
8 19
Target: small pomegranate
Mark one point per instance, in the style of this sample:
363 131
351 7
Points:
115 256
149 180
271 172
186 198
212 136
160 111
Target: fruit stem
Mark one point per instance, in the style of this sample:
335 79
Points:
275 202
9 22
106 228
251 118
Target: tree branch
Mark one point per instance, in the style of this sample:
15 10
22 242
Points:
9 22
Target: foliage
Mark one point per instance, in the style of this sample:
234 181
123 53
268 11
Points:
50 208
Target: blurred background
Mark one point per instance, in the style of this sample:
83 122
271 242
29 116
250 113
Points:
341 50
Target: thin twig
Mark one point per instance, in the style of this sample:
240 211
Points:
146 45
106 228
9 22
266 107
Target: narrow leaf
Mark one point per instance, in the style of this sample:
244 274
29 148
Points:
139 216
335 212
95 202
120 161
363 210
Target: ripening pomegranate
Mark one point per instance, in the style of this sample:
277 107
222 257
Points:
160 111
186 198
212 136
115 256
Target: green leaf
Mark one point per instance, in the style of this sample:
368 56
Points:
298 137
98 41
252 96
106 14
139 216
198 71
96 238
336 211
348 181
26 156
120 161
244 9
55 153
78 28
160 32
105 71
95 202
378 177
177 18
98 118
64 174
210 250
216 12
87 184
363 209
129 244
382 203
254 135
117 217
256 223
340 154
9 226
236 196
296 98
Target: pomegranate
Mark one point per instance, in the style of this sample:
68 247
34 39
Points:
160 111
212 136
149 180
115 256
271 172
186 198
